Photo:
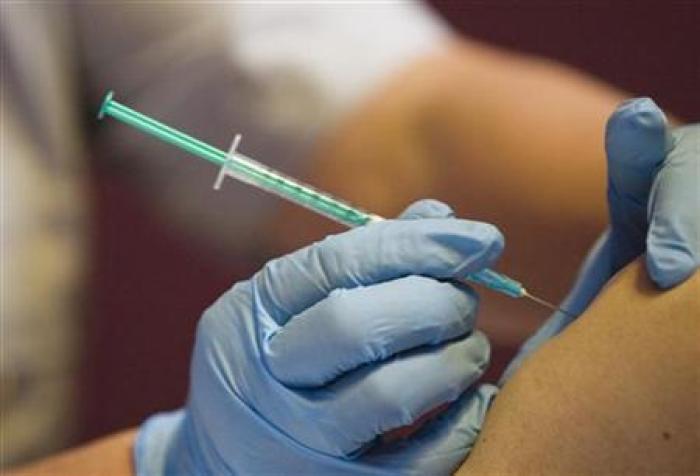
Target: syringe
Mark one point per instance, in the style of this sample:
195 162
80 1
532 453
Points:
247 170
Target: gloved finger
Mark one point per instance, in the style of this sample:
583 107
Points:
440 248
427 208
636 142
397 392
673 243
363 325
443 444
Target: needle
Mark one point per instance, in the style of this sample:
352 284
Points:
546 303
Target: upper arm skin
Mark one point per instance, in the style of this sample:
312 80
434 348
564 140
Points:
617 392
110 455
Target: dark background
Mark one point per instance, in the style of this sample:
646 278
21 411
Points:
149 286
646 48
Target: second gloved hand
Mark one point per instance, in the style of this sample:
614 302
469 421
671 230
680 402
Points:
302 368
653 197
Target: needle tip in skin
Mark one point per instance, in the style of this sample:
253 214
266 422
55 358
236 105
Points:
545 303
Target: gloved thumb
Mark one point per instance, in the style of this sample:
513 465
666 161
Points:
636 142
427 208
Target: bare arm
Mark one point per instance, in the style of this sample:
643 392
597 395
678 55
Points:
107 456
618 392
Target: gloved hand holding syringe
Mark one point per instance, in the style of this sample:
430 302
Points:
236 165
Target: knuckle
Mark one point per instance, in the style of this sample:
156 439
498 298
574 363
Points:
427 208
209 321
218 315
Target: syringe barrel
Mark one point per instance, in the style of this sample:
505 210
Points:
261 176
241 167
253 172
497 282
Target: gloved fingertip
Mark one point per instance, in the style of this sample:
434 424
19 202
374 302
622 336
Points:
475 401
463 419
427 208
487 392
498 245
669 267
442 444
642 113
637 134
461 422
493 243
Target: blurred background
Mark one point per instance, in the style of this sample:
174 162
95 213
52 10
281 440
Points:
113 244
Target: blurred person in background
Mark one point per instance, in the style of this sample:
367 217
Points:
379 104
280 74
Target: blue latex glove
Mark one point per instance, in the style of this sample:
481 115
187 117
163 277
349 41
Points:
653 202
300 369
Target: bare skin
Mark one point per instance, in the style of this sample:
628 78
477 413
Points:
109 456
618 392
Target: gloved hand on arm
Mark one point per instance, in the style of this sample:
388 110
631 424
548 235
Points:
302 368
654 206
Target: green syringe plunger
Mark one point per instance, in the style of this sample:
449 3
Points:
239 166
254 173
